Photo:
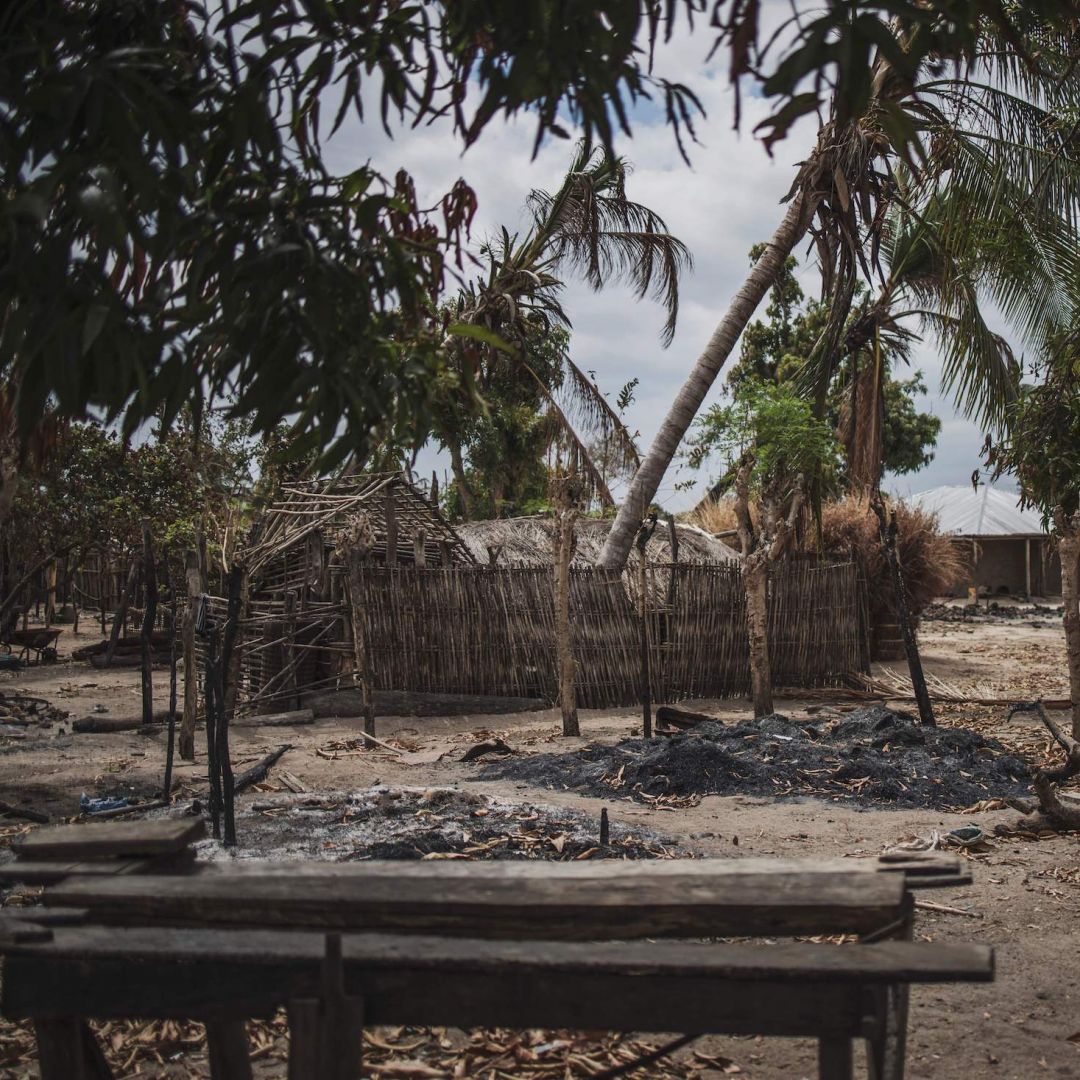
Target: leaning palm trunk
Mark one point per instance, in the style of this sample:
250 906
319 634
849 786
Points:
681 415
864 438
1068 529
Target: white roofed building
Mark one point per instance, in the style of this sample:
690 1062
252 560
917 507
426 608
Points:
1007 550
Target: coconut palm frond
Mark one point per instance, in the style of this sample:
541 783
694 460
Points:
591 226
590 409
979 368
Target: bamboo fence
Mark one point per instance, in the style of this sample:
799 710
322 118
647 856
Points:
485 630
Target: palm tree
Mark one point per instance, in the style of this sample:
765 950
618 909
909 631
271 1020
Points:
589 226
1000 126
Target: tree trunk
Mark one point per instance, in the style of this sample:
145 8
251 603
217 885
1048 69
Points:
864 439
1069 551
457 466
121 612
564 551
681 415
755 586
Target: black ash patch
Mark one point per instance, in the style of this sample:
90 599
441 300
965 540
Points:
872 756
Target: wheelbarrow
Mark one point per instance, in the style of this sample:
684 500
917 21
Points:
36 646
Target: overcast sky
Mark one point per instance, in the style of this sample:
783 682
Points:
726 200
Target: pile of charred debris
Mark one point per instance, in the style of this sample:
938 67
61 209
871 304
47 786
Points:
385 822
871 756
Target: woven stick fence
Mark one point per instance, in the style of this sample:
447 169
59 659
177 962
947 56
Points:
482 630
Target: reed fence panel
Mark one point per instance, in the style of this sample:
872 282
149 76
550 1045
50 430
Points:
490 630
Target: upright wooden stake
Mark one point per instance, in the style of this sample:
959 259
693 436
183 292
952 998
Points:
390 514
229 673
193 580
170 743
565 502
420 548
648 527
887 529
150 602
355 544
289 658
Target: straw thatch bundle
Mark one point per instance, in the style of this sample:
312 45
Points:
930 560
529 541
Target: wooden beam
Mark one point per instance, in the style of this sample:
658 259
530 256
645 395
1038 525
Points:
794 989
100 840
628 906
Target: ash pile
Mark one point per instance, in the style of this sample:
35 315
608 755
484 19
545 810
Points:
424 823
872 756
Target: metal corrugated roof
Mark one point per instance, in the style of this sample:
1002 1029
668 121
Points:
986 511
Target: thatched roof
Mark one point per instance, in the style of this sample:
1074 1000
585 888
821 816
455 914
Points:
529 541
320 507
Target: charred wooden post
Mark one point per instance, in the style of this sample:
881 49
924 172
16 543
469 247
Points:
420 548
170 743
193 580
887 530
355 544
289 656
212 705
229 674
150 603
645 533
565 500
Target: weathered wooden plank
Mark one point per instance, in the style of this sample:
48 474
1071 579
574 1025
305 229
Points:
569 908
802 989
108 839
50 871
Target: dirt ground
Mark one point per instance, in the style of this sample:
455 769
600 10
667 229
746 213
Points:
1025 900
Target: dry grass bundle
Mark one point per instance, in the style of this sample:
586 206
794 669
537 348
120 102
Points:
931 561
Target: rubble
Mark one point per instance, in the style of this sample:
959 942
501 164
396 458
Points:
422 823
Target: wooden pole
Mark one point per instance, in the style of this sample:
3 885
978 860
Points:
211 688
648 527
170 744
887 529
355 545
289 658
565 516
193 580
390 515
229 676
150 601
1027 566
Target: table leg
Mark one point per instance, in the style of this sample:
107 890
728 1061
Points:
834 1058
226 1041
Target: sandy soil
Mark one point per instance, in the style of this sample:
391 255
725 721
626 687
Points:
1025 900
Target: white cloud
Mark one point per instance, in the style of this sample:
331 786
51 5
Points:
725 201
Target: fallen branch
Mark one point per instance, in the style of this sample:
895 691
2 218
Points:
1044 781
124 811
257 773
7 810
494 746
945 909
378 742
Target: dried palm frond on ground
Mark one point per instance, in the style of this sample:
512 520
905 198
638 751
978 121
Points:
177 1050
